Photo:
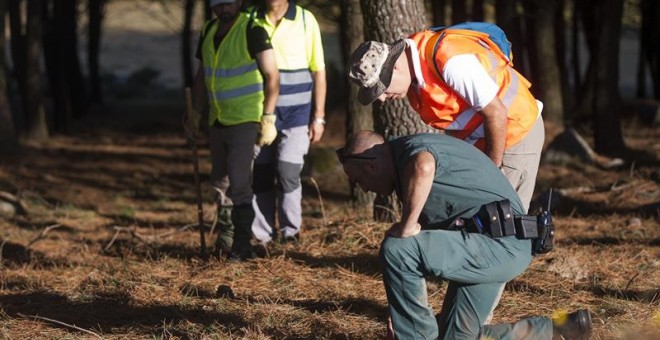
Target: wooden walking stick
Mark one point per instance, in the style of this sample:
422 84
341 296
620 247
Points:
198 187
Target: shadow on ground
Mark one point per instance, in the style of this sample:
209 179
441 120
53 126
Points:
107 314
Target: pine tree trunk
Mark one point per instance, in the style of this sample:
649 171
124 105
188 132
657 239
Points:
186 48
543 57
7 134
96 12
60 43
358 117
477 10
78 94
510 21
438 9
587 14
388 21
561 55
653 47
575 55
208 14
54 40
37 129
608 138
458 11
18 55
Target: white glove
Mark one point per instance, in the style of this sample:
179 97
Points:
267 131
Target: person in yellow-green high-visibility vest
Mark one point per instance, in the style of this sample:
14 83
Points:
238 81
296 39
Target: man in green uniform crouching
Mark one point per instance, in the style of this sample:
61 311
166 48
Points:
445 186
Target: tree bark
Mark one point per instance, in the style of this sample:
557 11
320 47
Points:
575 52
208 14
561 53
37 128
606 105
8 142
60 43
510 21
543 57
358 117
18 55
477 10
587 14
388 21
186 48
96 13
438 9
653 46
458 11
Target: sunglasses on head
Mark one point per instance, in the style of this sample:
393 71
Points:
343 156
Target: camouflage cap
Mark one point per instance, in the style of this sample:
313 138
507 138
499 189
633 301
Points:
370 67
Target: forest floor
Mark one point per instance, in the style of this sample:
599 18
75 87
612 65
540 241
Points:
107 246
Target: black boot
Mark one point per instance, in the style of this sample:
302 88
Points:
225 228
572 326
242 216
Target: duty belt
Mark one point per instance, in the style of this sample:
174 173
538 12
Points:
496 220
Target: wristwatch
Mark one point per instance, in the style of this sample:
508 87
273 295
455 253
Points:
319 121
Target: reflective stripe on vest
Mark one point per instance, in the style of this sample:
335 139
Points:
233 81
295 88
441 107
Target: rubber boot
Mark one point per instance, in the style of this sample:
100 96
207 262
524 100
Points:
225 228
242 217
572 326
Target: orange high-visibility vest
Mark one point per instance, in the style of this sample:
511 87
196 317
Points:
442 108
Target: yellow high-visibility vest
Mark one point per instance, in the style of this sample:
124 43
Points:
233 80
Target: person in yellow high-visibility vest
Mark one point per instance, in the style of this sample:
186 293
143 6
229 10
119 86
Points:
300 111
238 81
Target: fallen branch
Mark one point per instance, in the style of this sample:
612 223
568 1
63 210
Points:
43 234
61 323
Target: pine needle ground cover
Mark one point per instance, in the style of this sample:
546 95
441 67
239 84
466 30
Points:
108 247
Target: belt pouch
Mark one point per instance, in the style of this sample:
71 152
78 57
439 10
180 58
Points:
526 227
506 217
491 219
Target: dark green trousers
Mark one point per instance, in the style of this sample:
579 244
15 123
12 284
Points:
475 265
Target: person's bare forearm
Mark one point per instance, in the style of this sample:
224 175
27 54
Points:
417 182
495 116
271 75
320 91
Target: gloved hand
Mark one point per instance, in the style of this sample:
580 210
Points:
267 131
191 124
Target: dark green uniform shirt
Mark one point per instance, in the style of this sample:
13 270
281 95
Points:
465 178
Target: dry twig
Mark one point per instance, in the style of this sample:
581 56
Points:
61 323
144 239
318 191
43 234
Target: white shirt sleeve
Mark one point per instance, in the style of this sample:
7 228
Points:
465 74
